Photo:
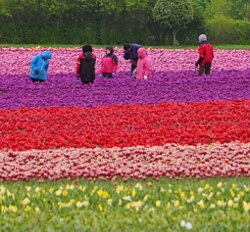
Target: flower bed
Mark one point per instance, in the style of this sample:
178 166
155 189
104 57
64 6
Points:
171 161
125 126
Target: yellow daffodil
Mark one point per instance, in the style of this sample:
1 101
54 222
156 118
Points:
109 202
119 188
103 194
139 186
212 206
146 197
81 204
133 193
27 208
219 184
100 207
4 208
162 190
58 192
176 203
128 205
94 190
158 203
25 201
82 188
64 193
70 187
152 210
200 190
246 206
191 199
13 208
137 205
201 204
234 186
207 186
230 203
127 198
168 206
221 203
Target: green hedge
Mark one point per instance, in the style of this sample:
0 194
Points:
222 29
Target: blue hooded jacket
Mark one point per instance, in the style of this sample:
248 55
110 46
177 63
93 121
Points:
39 66
133 53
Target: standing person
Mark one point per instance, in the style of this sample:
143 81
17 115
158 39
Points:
206 55
39 67
85 68
109 63
130 53
143 70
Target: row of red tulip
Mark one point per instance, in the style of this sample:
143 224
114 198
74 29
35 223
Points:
125 126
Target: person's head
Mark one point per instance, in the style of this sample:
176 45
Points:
142 52
87 48
202 38
109 50
47 55
127 47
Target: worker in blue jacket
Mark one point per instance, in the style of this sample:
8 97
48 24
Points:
130 53
39 67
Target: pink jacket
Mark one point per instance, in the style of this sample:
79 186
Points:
108 65
143 65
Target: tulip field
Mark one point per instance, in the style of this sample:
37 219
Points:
171 153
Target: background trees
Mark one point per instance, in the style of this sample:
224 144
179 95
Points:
119 21
175 14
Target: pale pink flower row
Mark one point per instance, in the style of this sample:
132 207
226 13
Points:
16 60
171 161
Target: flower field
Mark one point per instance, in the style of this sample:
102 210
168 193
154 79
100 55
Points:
174 140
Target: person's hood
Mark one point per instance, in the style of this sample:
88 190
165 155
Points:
47 54
111 49
142 52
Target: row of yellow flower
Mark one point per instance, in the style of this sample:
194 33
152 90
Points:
137 197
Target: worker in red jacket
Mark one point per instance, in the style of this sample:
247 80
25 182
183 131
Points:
206 55
109 64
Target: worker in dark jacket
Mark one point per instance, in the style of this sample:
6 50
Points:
206 55
85 68
130 53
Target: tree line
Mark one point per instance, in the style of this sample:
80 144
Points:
151 22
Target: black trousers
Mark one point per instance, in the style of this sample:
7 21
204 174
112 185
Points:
205 69
133 66
36 80
108 75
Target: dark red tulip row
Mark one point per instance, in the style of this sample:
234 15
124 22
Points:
125 126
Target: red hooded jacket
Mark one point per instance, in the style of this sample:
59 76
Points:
109 65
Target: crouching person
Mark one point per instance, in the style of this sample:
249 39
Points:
85 68
39 67
109 64
144 69
206 55
130 53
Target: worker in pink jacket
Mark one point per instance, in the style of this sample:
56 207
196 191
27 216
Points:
109 64
143 69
